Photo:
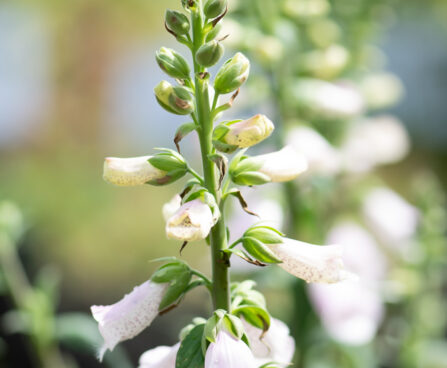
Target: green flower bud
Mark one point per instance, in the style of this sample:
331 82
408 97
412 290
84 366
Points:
176 100
172 63
232 74
209 53
177 22
214 8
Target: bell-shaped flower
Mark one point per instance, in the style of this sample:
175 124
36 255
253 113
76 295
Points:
375 141
192 221
391 218
275 346
131 315
247 133
171 207
312 263
283 165
322 157
159 357
130 171
228 352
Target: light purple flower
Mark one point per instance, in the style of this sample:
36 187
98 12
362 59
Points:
312 263
131 315
276 346
228 352
159 357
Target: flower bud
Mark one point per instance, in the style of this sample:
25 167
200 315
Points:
245 133
130 171
232 74
177 22
176 100
214 8
172 63
209 53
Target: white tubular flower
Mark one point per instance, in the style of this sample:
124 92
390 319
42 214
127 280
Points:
276 346
283 165
130 171
247 133
381 90
228 352
192 221
312 263
171 207
159 357
392 218
128 317
375 141
323 158
350 311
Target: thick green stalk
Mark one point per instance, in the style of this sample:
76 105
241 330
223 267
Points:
218 241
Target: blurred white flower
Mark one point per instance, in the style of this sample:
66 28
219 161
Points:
312 263
381 90
171 207
276 346
159 357
283 165
322 157
393 220
131 315
375 141
326 63
192 221
130 171
228 352
351 311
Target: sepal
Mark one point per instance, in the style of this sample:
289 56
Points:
172 63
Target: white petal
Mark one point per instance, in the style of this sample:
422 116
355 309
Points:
247 133
349 310
322 157
130 171
159 357
283 165
227 352
131 315
277 345
312 263
171 207
192 221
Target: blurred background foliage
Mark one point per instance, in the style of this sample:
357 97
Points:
76 80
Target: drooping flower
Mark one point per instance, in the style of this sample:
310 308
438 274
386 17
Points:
159 357
351 311
283 165
275 346
171 207
192 221
130 171
312 263
131 315
323 158
247 133
228 352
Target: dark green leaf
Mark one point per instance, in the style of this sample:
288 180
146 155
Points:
190 352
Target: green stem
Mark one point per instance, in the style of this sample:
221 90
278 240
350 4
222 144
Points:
218 238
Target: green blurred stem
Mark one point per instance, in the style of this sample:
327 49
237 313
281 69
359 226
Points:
21 292
218 241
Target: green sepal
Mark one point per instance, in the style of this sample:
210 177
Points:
190 354
256 316
224 147
213 33
234 325
172 63
182 131
259 251
250 178
209 53
175 291
168 160
169 272
266 235
214 8
246 164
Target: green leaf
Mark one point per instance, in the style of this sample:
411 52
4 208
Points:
256 316
259 251
190 352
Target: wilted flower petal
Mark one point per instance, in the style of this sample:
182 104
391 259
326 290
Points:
322 157
283 165
130 171
159 357
227 352
192 221
312 263
276 346
131 315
